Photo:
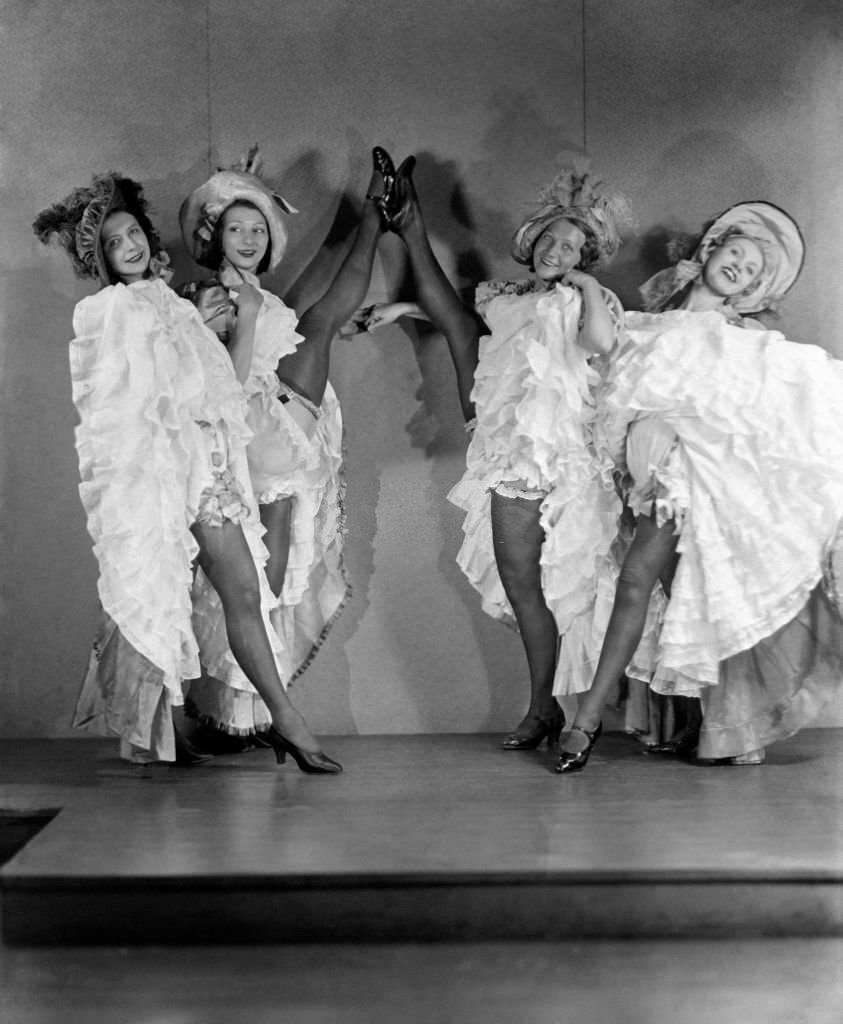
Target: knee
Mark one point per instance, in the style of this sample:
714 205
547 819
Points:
635 582
521 581
320 323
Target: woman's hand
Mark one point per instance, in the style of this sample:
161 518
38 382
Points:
579 279
597 329
380 314
247 300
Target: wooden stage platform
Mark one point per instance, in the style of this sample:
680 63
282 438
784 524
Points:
442 838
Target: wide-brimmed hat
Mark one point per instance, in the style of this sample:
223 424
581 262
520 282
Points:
76 222
203 208
575 195
774 231
777 235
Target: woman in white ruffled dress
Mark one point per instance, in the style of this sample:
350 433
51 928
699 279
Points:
162 453
233 224
541 508
733 444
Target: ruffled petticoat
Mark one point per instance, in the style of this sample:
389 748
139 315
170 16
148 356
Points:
736 434
533 394
162 444
285 463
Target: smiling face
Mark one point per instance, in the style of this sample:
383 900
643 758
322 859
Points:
244 237
733 267
558 249
125 247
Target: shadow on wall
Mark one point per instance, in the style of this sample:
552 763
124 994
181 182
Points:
332 212
524 151
319 234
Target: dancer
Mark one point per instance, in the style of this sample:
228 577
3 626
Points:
233 224
734 447
161 445
540 505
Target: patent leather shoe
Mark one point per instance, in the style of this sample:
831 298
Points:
574 761
312 762
400 208
683 744
382 164
543 728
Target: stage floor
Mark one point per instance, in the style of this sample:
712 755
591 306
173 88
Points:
449 836
423 837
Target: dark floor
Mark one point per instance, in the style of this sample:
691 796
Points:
771 981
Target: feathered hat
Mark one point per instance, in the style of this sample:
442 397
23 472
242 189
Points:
76 223
204 206
774 231
575 194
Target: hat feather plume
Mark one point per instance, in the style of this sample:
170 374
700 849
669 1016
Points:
56 225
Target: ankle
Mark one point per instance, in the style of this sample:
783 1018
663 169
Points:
586 722
371 218
544 712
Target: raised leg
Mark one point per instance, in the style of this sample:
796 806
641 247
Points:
518 538
306 369
434 292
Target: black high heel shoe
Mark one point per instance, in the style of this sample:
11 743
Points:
575 761
317 763
546 728
399 209
383 165
683 744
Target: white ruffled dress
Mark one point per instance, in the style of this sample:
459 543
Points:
285 463
534 397
162 444
754 479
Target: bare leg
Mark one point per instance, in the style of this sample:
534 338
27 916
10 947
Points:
518 537
276 517
227 562
434 292
651 553
306 369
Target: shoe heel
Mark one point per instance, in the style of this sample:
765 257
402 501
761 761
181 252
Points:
316 763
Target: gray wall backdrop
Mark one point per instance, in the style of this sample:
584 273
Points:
687 105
